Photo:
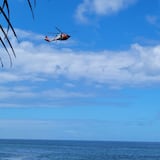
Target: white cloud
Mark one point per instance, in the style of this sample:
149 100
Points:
138 65
100 7
39 69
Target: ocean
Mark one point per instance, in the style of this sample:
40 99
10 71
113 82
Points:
77 150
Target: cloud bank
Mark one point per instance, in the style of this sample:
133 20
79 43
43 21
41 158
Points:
137 65
44 74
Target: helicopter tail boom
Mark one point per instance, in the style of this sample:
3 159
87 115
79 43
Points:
47 39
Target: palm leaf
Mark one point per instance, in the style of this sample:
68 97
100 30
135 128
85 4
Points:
6 15
5 4
5 35
7 53
31 8
1 62
8 21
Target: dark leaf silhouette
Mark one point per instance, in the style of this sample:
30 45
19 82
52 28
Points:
8 21
6 51
30 6
5 4
6 37
4 40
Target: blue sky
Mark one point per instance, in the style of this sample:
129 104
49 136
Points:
101 84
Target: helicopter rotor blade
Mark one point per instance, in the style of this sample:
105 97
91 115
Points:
53 33
59 30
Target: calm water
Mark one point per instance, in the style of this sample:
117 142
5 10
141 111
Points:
77 150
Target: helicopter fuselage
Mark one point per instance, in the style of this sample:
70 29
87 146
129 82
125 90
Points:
62 36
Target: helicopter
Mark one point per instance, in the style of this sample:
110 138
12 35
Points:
61 36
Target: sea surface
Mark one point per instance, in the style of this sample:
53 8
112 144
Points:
77 150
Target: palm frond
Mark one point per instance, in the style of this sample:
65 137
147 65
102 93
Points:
6 37
8 21
5 5
31 7
5 47
5 41
1 62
